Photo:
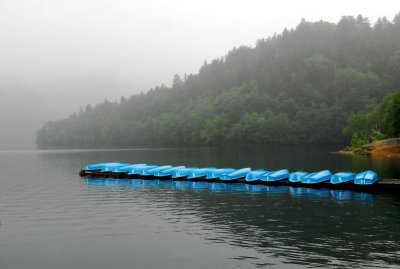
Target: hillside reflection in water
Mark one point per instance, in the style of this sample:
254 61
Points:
304 226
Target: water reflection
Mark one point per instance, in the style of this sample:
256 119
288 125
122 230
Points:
302 226
335 195
50 217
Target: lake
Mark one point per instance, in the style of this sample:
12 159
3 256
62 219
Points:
52 218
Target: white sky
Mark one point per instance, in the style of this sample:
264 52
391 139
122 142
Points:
82 51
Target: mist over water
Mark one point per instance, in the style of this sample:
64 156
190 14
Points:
58 56
52 218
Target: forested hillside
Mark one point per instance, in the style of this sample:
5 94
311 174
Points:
300 86
380 123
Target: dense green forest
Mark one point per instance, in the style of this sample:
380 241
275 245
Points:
300 86
380 123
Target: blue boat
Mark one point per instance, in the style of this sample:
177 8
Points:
202 172
343 177
317 177
140 169
93 166
216 173
241 173
366 178
184 172
275 175
153 171
167 172
111 167
295 177
255 175
104 167
126 168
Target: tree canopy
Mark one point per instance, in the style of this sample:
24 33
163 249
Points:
299 86
382 122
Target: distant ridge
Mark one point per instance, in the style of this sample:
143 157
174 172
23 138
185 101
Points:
296 87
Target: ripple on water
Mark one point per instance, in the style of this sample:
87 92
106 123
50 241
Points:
49 216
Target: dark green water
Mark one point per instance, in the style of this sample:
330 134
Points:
51 218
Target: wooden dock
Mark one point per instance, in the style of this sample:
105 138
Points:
383 186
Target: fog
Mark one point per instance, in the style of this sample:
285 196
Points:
56 56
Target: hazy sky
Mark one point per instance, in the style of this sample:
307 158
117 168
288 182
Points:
56 55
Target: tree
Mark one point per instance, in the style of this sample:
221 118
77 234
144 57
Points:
299 86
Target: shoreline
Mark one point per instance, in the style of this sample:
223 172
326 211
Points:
387 148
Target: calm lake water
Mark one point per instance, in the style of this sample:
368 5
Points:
51 218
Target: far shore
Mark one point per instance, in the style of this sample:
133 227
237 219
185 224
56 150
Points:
387 148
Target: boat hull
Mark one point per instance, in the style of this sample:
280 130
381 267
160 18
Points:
216 173
366 178
316 178
167 172
200 173
151 172
275 175
295 177
235 175
182 173
255 175
343 177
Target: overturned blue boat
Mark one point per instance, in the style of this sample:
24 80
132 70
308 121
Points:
366 178
241 173
317 177
217 172
167 172
343 177
138 170
93 166
153 171
275 175
127 168
296 177
255 175
104 167
183 172
199 173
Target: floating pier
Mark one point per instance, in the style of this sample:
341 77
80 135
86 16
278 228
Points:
366 181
